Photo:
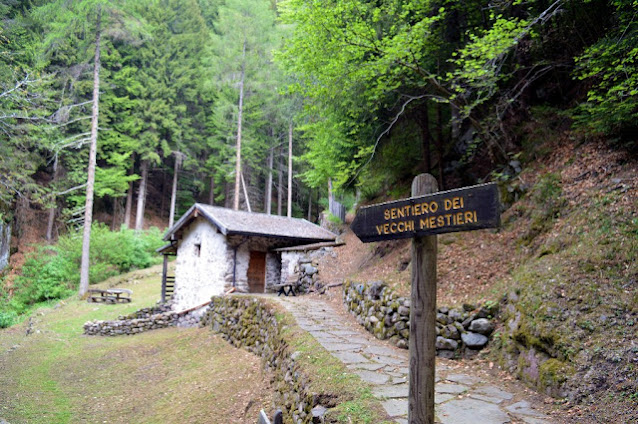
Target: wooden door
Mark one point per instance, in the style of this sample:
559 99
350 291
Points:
257 272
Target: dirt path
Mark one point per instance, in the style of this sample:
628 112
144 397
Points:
467 392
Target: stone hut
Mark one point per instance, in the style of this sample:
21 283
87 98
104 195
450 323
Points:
220 249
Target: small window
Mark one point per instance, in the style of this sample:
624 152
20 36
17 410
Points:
198 249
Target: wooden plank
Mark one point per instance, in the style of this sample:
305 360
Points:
464 209
422 343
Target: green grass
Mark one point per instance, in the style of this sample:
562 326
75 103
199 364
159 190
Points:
58 375
330 378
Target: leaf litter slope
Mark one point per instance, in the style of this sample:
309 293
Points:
174 375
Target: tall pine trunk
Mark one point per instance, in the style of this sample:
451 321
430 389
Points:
268 199
129 196
424 123
280 183
141 197
90 180
54 208
290 170
439 145
211 195
171 216
239 122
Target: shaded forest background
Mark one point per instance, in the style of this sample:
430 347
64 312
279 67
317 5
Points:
369 93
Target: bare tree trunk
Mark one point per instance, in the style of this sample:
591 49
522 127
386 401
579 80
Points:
239 122
178 162
211 195
268 200
290 169
310 206
243 184
424 123
52 210
439 145
330 195
129 197
280 181
117 211
141 197
90 180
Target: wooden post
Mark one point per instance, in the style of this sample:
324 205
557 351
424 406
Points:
422 317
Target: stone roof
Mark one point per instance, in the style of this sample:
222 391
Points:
232 222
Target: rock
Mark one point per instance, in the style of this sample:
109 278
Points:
442 318
446 344
403 310
455 315
375 289
474 340
481 326
310 270
468 307
317 413
450 332
447 354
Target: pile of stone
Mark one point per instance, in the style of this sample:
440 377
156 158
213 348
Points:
306 271
460 332
145 319
130 326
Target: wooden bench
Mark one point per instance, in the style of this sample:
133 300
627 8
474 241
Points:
109 295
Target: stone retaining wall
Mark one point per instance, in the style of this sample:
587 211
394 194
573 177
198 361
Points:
145 319
252 324
461 332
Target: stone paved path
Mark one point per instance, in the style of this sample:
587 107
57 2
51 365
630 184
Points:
460 398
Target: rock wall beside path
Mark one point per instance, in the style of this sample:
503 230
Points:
252 324
460 332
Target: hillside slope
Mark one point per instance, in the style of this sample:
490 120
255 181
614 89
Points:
563 266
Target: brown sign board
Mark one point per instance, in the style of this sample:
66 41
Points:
463 209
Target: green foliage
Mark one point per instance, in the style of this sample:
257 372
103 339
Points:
7 318
52 272
611 65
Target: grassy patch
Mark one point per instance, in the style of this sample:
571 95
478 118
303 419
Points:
330 378
58 375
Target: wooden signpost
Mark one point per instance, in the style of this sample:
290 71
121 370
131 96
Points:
421 217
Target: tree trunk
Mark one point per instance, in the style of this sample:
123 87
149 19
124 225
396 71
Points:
211 195
268 200
141 197
280 181
129 197
290 169
239 122
90 180
310 206
171 216
424 123
439 145
52 210
243 184
330 195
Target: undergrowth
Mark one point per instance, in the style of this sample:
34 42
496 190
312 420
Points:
51 272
